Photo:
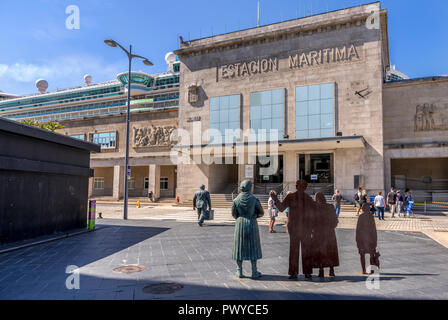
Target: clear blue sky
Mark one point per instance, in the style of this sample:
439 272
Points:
36 43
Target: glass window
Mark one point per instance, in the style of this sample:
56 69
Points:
163 183
98 183
146 186
225 115
315 111
266 112
131 183
105 139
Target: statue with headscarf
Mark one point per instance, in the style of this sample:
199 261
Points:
246 245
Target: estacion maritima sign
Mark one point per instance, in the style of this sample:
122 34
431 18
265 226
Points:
298 60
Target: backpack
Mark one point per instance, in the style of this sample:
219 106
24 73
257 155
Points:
356 197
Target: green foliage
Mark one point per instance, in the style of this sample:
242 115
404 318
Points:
50 126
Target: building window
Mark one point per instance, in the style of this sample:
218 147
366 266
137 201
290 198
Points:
98 183
266 112
225 115
146 186
131 183
163 183
78 136
105 139
315 111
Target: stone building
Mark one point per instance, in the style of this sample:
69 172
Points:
343 117
321 82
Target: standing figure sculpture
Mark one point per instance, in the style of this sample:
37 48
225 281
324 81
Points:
301 206
246 245
200 201
325 246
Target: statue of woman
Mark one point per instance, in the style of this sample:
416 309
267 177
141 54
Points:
246 245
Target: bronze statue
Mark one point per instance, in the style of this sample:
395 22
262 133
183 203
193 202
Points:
324 243
301 206
366 238
246 245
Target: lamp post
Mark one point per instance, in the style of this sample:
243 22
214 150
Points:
114 44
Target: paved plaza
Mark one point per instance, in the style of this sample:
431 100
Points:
413 266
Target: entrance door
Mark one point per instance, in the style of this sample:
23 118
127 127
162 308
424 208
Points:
316 168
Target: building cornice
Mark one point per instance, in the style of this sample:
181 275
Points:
415 81
266 34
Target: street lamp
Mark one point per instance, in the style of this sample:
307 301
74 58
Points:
114 44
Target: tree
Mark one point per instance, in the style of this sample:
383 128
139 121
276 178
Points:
50 126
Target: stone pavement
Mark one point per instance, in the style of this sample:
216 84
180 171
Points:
412 265
435 226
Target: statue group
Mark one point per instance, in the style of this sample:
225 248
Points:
311 227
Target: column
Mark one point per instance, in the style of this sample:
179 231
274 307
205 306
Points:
290 164
90 187
118 183
154 181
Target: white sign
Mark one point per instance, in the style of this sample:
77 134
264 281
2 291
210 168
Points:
249 171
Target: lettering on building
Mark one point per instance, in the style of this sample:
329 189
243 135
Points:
428 117
193 119
154 136
298 60
323 56
245 69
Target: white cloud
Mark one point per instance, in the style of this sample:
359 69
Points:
61 72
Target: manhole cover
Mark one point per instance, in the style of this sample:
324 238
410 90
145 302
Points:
163 288
129 269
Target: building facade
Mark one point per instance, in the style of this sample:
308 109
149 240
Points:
322 83
313 98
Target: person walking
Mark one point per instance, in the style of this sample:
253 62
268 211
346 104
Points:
366 237
337 198
325 245
407 198
399 203
391 199
379 205
246 209
273 213
357 198
201 200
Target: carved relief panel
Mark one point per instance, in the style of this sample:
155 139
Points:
154 136
430 117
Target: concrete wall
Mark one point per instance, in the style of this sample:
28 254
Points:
402 139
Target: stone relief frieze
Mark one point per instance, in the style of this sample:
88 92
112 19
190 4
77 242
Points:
429 117
154 136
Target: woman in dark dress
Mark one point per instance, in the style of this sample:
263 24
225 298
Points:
366 237
325 246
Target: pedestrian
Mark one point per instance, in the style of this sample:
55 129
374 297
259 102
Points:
324 246
246 209
273 213
366 237
391 199
379 205
201 200
357 198
337 198
399 203
407 198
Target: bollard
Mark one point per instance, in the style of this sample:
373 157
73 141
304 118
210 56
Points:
92 211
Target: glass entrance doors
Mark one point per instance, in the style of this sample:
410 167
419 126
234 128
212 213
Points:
316 168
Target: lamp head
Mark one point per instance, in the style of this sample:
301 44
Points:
110 43
147 62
